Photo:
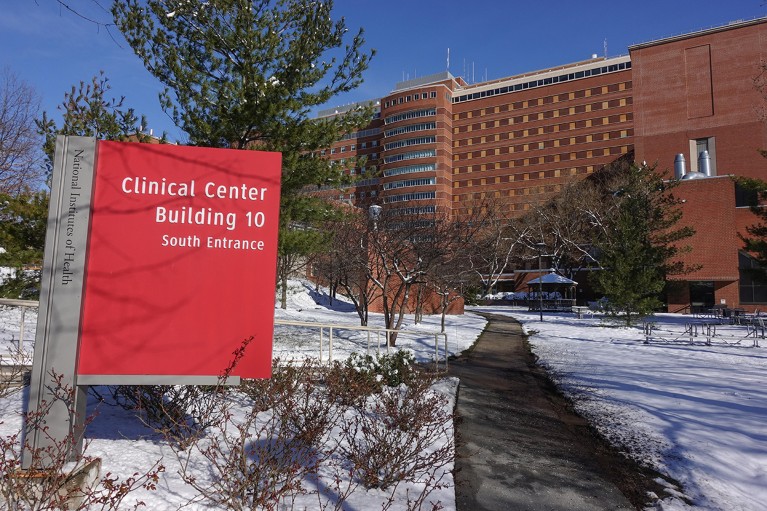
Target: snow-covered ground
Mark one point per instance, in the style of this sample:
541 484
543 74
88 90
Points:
126 446
696 413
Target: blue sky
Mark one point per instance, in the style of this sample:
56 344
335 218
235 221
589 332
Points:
52 49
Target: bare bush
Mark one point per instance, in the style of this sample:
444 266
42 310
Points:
57 479
20 156
179 412
404 436
259 459
304 432
293 393
14 371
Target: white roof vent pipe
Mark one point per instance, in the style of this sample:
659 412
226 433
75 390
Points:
704 163
679 166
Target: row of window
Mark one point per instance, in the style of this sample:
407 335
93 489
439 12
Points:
413 225
427 153
549 158
553 114
363 183
411 128
353 147
551 129
410 97
523 176
367 157
414 211
405 197
521 204
410 141
362 134
410 182
565 77
410 169
411 114
543 144
545 100
361 195
367 182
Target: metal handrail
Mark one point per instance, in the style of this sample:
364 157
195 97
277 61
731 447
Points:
385 332
24 304
378 331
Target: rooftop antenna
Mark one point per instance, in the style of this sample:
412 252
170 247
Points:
448 59
605 47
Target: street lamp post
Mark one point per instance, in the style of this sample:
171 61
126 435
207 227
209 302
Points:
374 212
540 247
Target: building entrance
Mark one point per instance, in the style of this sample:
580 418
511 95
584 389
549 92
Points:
701 295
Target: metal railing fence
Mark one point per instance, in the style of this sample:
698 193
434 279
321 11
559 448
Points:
376 339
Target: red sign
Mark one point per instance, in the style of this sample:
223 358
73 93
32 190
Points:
181 265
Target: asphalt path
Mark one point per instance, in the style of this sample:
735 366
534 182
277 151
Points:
519 446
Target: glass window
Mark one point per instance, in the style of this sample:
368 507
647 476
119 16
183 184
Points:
701 145
745 197
752 283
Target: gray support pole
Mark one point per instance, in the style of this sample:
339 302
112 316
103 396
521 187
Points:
58 418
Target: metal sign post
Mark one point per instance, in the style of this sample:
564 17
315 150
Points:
56 403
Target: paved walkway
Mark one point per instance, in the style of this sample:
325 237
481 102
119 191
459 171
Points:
518 446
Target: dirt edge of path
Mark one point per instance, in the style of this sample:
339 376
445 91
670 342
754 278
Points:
640 484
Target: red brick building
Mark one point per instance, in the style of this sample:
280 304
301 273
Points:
697 92
438 142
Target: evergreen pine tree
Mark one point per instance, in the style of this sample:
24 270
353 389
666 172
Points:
247 74
23 221
638 247
755 239
87 112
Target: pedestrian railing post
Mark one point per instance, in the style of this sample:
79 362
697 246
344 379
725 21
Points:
321 348
21 329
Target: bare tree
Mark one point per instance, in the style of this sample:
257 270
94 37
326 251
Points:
20 157
404 248
346 265
497 242
565 225
452 276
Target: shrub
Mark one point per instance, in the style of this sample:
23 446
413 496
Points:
57 478
405 436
